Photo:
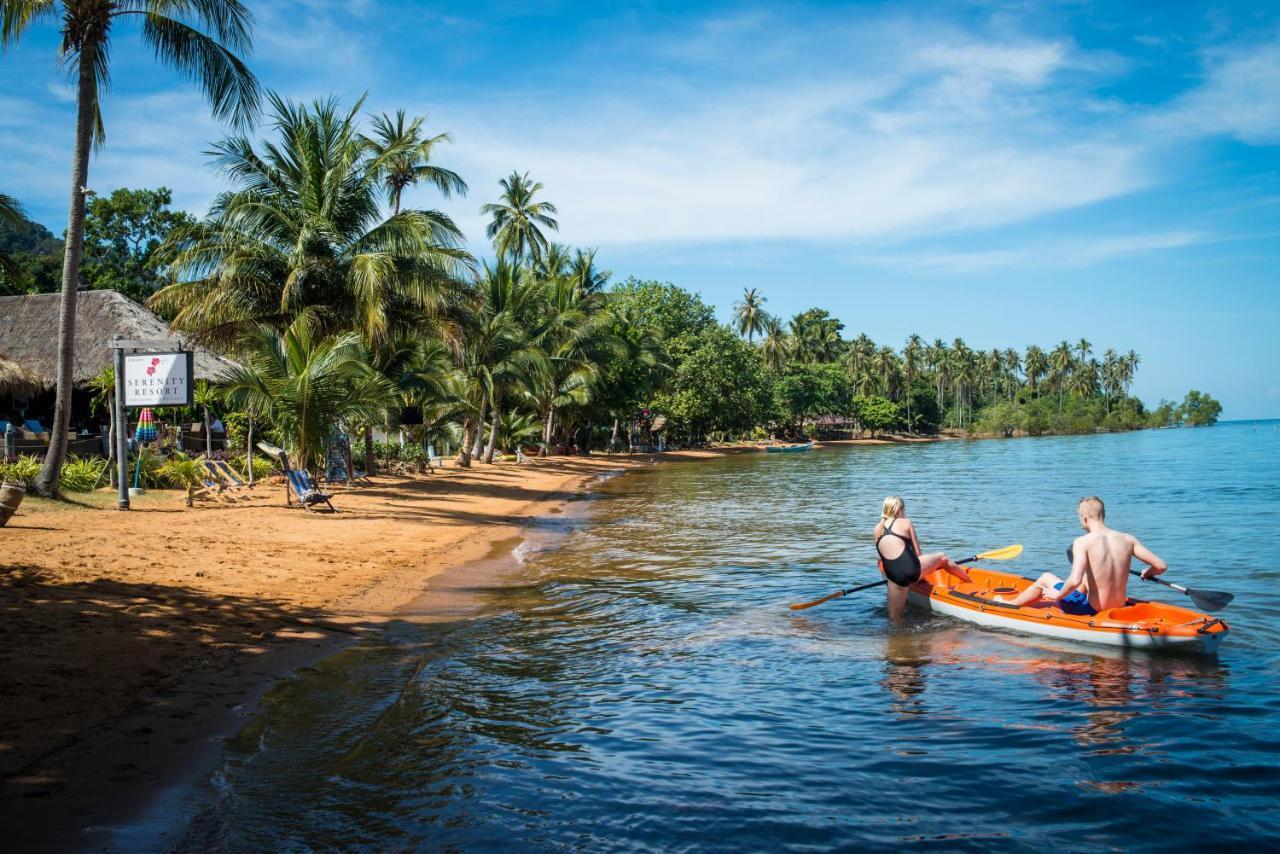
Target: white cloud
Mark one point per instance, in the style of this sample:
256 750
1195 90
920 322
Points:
1074 253
1239 97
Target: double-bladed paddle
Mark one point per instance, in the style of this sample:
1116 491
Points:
1006 553
1205 600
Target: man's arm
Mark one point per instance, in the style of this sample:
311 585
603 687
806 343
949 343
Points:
1079 563
1155 565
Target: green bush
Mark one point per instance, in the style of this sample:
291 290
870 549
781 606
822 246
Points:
21 471
82 474
263 468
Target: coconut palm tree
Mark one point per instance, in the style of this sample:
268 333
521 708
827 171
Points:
1083 350
774 344
305 383
912 357
1012 364
304 231
516 220
586 276
749 313
11 275
172 29
405 154
1060 363
1035 366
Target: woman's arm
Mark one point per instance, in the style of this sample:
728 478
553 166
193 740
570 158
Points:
915 541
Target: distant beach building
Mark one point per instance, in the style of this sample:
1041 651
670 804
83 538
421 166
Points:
29 361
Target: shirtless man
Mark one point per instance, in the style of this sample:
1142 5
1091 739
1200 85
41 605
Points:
1099 567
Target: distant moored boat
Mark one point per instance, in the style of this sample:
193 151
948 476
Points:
789 449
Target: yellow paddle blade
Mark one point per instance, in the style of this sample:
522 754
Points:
1006 553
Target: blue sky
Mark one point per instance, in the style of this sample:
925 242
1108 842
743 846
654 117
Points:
1007 172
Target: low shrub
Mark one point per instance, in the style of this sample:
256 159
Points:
21 471
82 474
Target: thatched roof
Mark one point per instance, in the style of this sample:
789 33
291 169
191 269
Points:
15 380
29 334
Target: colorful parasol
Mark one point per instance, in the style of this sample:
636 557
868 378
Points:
146 431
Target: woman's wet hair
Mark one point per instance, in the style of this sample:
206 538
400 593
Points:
892 505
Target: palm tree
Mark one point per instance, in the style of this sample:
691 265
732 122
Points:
586 276
749 313
405 155
1012 364
912 356
303 230
304 384
887 370
1035 366
515 219
774 345
172 30
1060 364
11 275
1083 350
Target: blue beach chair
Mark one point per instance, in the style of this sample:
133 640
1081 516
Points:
300 484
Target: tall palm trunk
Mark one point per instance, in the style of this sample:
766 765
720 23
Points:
248 451
477 445
494 424
369 465
47 481
208 434
464 452
613 439
548 422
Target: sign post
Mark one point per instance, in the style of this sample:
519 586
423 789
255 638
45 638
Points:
162 375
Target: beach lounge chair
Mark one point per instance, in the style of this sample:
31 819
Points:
229 475
301 485
521 459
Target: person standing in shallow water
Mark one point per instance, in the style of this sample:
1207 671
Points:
901 559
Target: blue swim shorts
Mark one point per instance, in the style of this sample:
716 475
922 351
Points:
1076 602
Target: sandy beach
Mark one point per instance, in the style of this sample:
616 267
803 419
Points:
132 642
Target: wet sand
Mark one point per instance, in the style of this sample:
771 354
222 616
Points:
132 643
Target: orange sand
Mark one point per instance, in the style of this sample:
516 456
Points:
129 640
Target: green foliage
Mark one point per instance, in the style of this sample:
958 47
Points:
877 414
122 233
1199 409
1004 417
303 232
926 417
672 311
183 472
21 471
721 385
30 255
806 391
303 384
148 468
1164 415
82 474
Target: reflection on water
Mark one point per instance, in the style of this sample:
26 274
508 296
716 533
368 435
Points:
643 686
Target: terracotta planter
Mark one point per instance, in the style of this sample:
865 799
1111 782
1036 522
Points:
11 495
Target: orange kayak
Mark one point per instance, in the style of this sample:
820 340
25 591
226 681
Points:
1138 624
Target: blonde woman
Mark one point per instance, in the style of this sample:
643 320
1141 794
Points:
900 556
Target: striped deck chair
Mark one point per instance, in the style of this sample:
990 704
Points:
300 484
229 475
214 481
521 459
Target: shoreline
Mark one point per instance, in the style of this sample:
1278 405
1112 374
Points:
192 651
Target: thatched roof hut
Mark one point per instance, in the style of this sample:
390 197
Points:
15 380
29 335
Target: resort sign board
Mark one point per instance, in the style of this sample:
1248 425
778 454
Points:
158 379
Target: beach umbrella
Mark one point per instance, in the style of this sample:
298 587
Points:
145 432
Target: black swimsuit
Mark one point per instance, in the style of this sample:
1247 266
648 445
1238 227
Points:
903 570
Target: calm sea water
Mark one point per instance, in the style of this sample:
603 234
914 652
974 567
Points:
642 686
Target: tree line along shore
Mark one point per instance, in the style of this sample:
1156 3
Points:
348 310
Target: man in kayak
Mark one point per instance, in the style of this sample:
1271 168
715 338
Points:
1100 561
